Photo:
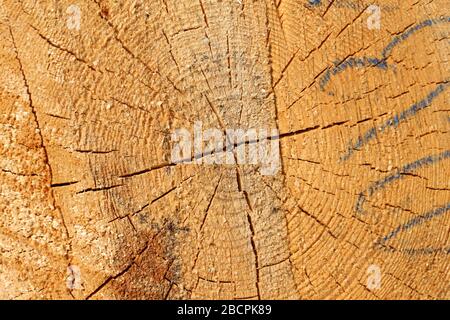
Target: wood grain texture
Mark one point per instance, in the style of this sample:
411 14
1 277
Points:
87 181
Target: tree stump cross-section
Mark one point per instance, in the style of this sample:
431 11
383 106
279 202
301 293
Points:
353 96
